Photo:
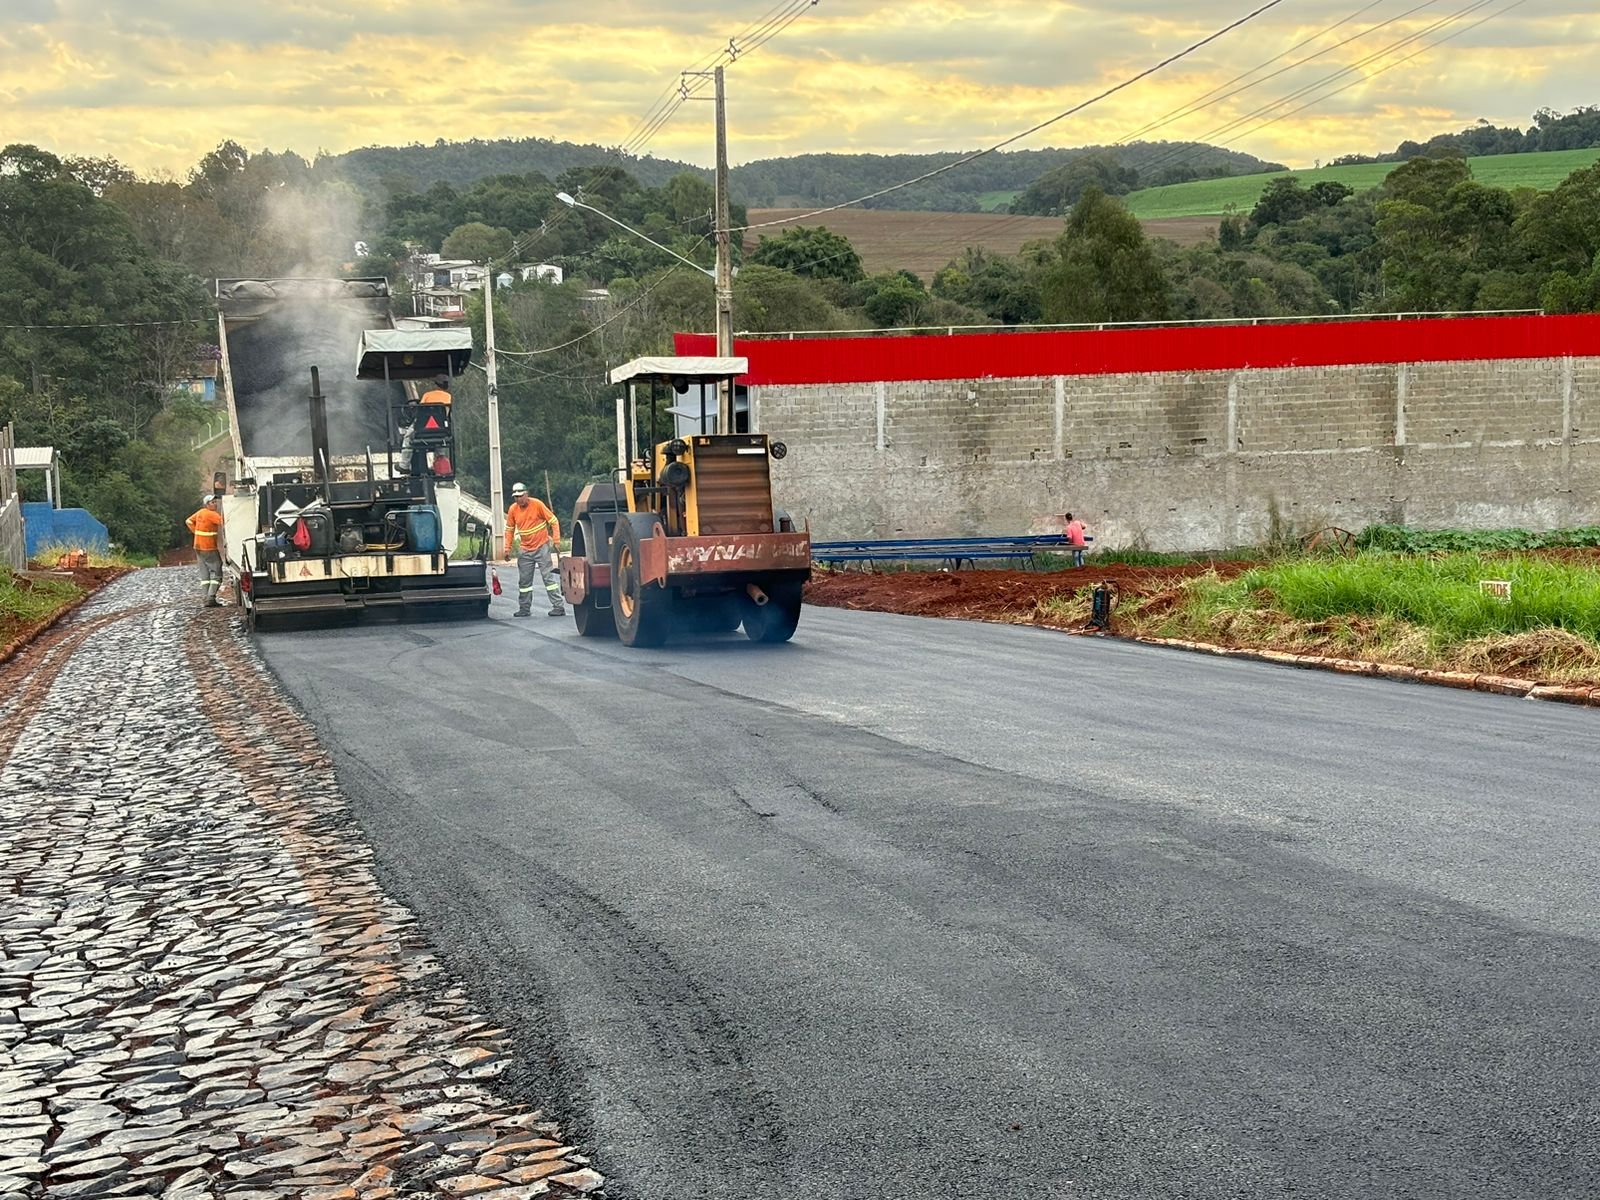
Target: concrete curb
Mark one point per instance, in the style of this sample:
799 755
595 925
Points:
1502 685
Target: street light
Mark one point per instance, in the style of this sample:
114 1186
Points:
571 203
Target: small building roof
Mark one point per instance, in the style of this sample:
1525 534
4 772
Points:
690 370
35 458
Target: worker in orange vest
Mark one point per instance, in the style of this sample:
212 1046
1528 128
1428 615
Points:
206 525
415 458
534 530
439 393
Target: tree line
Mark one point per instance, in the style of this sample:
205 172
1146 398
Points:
106 274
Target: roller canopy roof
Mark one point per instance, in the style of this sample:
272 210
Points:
413 353
692 370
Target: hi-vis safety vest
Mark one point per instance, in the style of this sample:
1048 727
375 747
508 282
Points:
205 526
533 524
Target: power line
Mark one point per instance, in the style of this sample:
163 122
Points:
632 304
1017 137
1238 123
117 324
755 35
1207 99
1421 50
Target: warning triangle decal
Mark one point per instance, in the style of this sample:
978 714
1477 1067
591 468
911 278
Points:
432 424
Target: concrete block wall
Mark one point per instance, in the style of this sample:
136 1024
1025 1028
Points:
1196 460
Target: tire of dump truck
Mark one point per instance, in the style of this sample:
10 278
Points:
592 620
641 611
776 620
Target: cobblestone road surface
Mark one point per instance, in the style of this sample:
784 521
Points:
203 992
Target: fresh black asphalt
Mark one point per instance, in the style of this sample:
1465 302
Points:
924 909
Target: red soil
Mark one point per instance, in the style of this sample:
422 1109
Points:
989 595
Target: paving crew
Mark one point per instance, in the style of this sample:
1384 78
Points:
439 393
206 525
534 530
413 449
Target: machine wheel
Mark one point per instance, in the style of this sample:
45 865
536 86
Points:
640 611
775 620
593 621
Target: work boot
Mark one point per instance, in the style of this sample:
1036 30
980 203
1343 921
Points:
557 611
522 612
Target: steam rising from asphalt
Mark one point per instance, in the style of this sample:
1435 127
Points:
305 324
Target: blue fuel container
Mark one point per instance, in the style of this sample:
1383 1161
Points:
423 529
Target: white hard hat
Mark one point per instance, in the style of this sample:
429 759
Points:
519 489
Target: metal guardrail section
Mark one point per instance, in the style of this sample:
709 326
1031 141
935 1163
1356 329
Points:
951 550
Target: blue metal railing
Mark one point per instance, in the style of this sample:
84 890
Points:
955 551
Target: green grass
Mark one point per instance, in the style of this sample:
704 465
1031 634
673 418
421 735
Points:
47 556
1438 593
24 601
997 201
1209 197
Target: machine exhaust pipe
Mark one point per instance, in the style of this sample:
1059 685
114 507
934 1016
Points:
756 594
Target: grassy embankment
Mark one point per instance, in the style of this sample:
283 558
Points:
26 602
1407 597
1238 193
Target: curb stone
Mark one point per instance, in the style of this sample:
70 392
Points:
1503 685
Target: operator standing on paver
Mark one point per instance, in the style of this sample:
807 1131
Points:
534 530
206 525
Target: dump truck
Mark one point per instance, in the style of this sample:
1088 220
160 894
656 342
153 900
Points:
343 497
683 536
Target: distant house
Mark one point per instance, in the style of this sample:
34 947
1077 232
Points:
440 287
548 271
201 378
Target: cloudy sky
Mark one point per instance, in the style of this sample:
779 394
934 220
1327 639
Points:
158 82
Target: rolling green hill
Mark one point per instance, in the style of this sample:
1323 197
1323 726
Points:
1206 197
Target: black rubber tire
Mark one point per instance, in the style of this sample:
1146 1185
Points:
776 620
592 620
641 612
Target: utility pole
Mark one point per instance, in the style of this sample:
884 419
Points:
724 264
497 505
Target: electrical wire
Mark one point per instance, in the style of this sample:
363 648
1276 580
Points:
1237 123
1207 99
1017 137
632 304
118 324
1220 93
1386 67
